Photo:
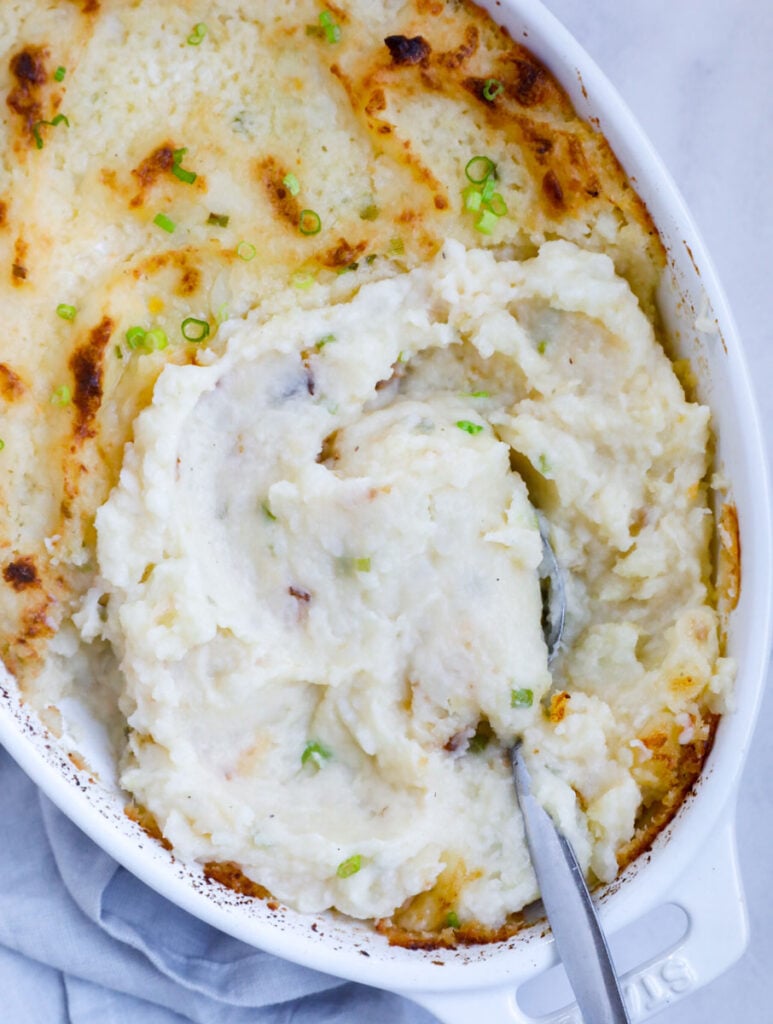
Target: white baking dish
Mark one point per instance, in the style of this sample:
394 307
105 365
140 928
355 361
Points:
693 863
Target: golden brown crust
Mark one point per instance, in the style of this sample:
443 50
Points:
147 822
230 875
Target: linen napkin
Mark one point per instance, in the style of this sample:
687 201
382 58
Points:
84 942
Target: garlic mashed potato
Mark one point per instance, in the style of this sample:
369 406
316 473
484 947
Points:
309 311
319 574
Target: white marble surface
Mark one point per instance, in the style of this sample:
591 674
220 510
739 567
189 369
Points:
698 75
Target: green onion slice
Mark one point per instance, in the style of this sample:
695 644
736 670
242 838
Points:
369 212
61 396
135 337
246 251
2 444
180 172
350 866
220 220
267 512
326 340
165 223
521 698
309 223
473 198
292 184
477 394
492 88
452 919
479 169
486 222
182 175
329 27
60 73
59 119
315 753
194 329
66 312
302 281
542 347
488 189
198 33
469 427
497 205
156 339
362 564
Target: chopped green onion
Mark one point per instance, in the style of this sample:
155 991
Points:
302 281
2 444
544 464
156 339
165 223
59 119
180 172
479 169
396 246
66 312
246 251
497 204
452 919
315 753
542 347
362 564
521 698
473 198
118 352
198 33
60 73
220 220
309 223
492 88
292 184
135 337
350 866
371 258
267 511
477 394
482 737
369 212
468 427
326 340
62 396
487 191
486 222
194 329
329 27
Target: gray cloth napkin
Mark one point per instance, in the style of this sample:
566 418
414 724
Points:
84 942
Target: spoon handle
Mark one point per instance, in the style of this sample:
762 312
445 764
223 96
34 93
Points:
579 939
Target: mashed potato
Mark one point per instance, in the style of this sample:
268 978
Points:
319 573
297 552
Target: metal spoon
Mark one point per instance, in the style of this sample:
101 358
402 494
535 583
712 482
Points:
575 925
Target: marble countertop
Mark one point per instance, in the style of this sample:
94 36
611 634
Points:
698 76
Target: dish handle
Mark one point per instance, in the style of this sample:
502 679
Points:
710 893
